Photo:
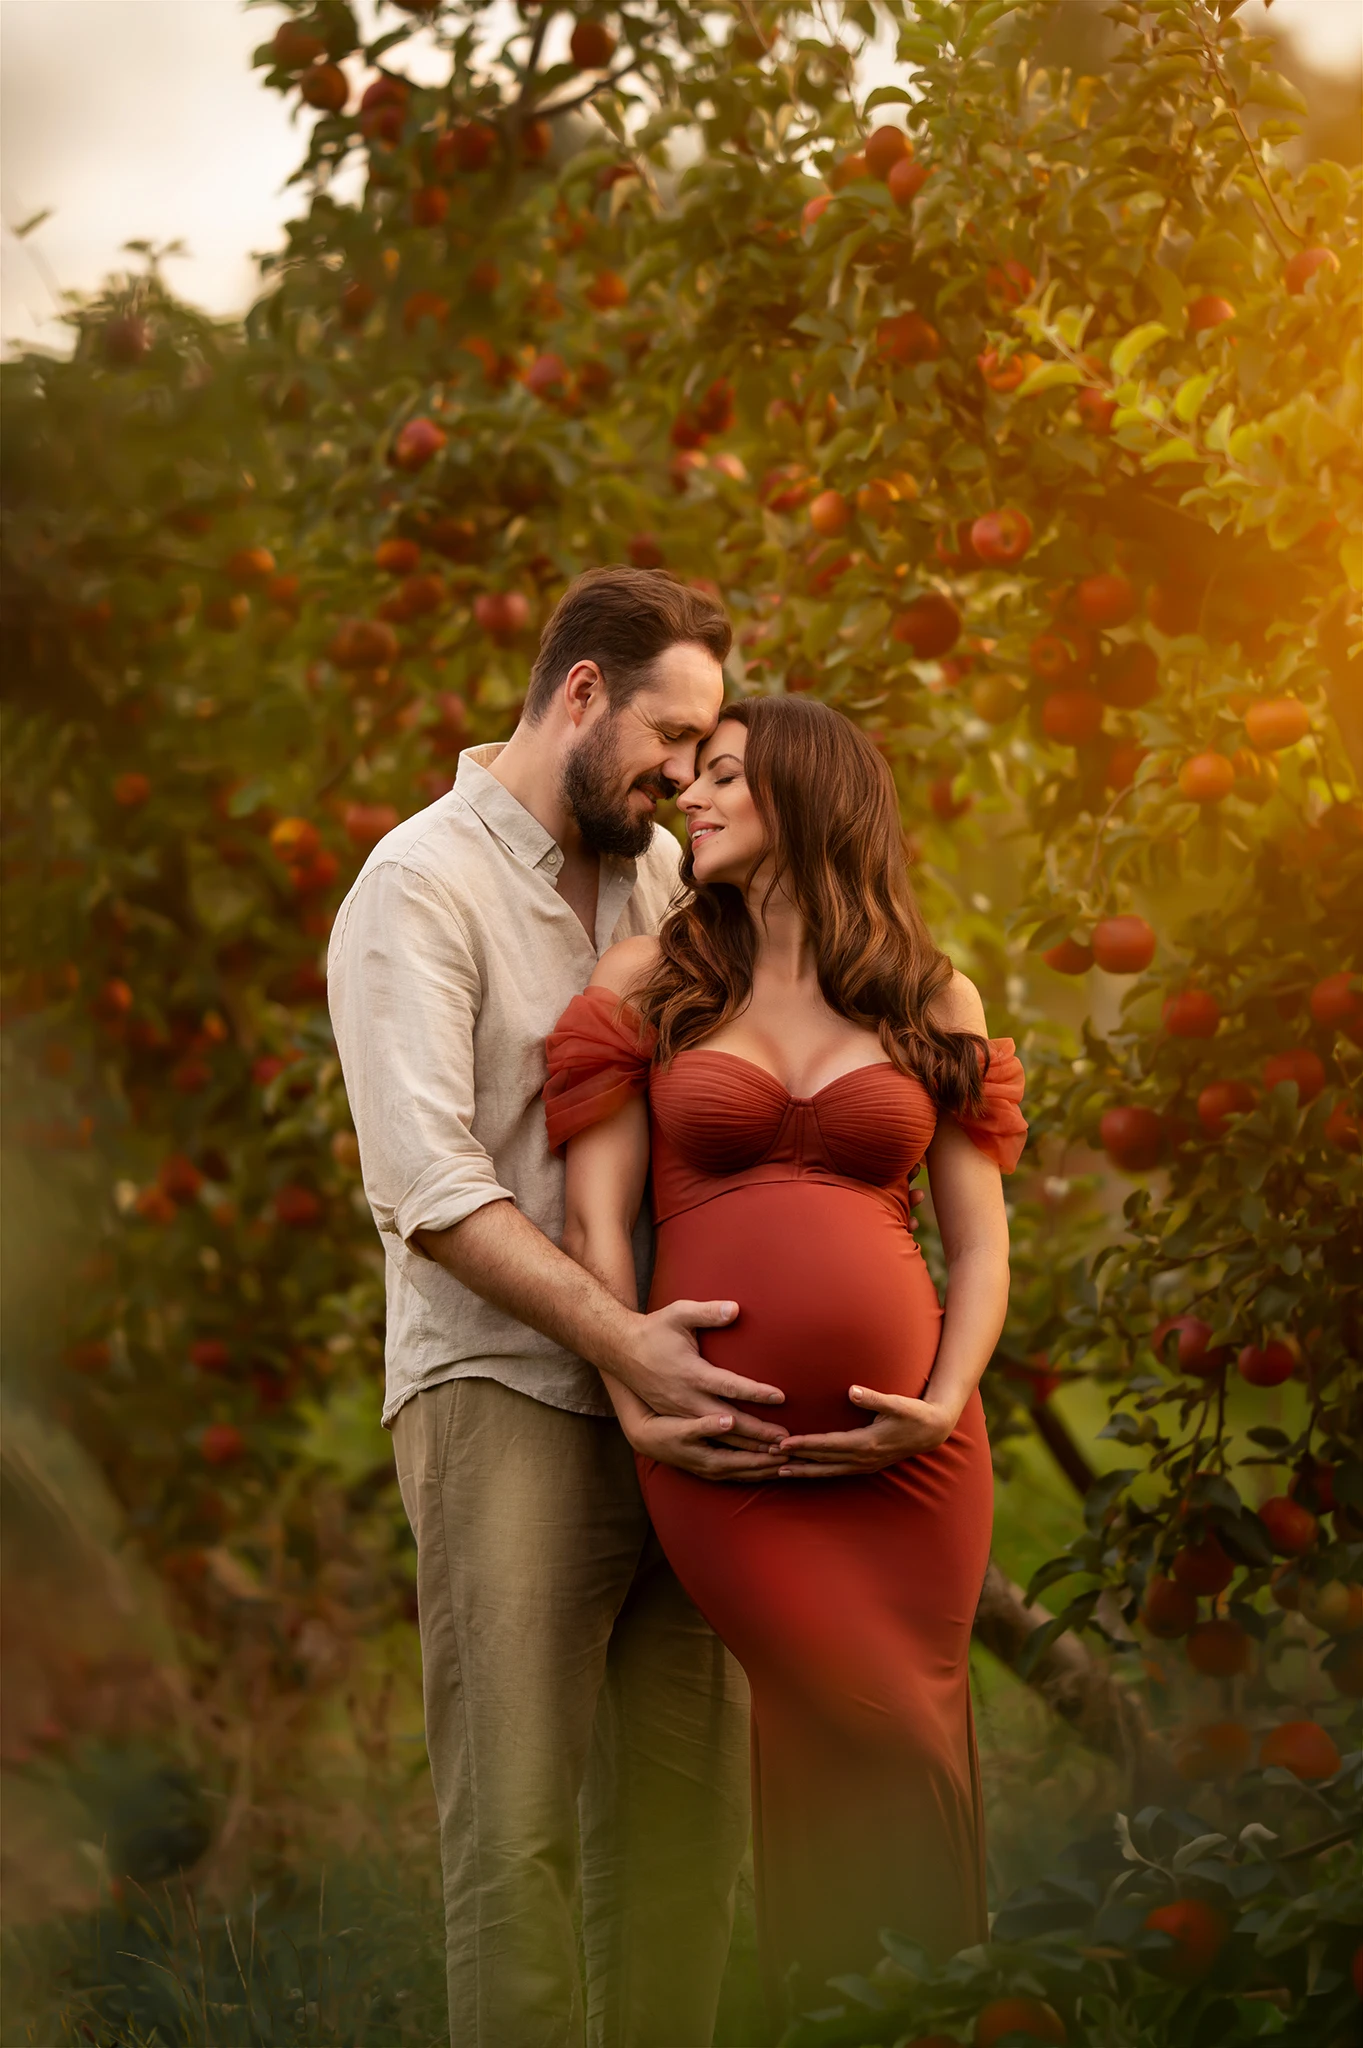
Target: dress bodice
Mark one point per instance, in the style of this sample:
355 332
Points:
719 1121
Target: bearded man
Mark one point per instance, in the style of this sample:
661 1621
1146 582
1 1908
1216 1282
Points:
587 1733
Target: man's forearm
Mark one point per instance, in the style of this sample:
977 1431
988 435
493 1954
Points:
499 1254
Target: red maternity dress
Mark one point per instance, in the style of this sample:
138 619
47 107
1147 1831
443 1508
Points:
848 1602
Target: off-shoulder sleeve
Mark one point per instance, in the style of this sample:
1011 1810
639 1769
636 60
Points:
599 1054
1000 1129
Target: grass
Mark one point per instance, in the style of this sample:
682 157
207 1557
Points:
352 1957
319 1922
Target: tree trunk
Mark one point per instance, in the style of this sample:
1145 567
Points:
1074 1684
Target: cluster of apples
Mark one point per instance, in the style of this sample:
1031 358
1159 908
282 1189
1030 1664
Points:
1271 725
1202 1568
1136 1138
888 155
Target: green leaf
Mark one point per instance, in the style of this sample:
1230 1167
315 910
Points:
1191 396
1180 450
1050 1573
1273 91
889 95
1050 376
1133 346
1048 932
1071 323
918 44
982 20
1041 1639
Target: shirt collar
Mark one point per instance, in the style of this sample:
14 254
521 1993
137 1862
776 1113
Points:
520 832
509 820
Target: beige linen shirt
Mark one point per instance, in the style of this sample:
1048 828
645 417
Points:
451 959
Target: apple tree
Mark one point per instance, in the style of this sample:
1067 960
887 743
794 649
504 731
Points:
1014 411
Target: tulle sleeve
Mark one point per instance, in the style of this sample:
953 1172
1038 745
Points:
1000 1129
599 1055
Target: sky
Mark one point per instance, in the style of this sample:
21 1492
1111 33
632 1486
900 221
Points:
142 119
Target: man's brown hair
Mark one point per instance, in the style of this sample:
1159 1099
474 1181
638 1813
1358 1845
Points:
622 619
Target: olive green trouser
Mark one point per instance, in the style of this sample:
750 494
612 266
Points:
588 1734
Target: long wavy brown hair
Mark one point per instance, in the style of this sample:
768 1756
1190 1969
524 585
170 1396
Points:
828 802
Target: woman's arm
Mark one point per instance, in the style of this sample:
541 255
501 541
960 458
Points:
607 1173
967 1196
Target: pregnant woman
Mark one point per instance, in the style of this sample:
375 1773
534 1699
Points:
781 1058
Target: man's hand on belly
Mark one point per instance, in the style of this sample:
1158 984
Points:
903 1428
500 1255
664 1367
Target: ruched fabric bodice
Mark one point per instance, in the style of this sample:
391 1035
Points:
721 1122
847 1601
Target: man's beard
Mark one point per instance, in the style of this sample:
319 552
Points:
591 790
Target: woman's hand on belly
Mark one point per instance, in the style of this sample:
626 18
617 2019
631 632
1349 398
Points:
903 1428
696 1444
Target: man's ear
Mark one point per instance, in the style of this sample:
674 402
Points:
583 686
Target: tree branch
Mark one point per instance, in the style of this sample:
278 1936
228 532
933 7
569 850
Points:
1250 150
556 107
1063 1448
1074 1684
1050 1428
547 14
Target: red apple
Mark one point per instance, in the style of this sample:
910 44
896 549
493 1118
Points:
502 614
1072 717
1220 1100
1298 1064
1292 1529
1069 957
1194 1352
1132 1137
416 443
222 1443
1209 311
1198 1933
930 625
1193 1013
1107 599
1303 265
1123 945
1336 1003
1266 1366
326 87
1001 538
886 147
591 45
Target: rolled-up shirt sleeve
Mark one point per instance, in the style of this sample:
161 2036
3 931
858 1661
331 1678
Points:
404 992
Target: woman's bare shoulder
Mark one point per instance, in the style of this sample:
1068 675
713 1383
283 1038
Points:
626 966
957 1006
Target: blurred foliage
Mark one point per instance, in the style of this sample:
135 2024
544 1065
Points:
1028 434
1161 1931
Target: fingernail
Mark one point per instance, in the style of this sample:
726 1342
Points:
726 1421
857 1393
730 1308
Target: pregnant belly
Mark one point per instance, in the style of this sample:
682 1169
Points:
831 1292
